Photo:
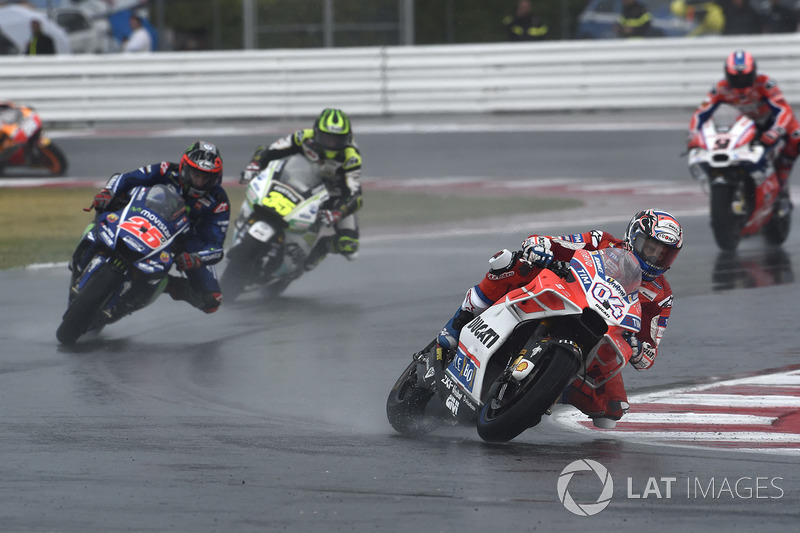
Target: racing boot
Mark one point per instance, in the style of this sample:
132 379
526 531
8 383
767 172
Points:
474 304
448 337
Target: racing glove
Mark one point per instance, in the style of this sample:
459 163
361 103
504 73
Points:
330 217
250 172
771 136
537 252
102 199
643 354
186 261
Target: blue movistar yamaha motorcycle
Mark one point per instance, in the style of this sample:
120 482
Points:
122 261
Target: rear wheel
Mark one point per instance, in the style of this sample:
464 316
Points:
407 403
727 219
513 406
84 308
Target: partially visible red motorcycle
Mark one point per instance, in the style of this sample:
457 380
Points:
740 174
22 143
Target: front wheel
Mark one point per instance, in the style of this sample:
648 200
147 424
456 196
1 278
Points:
53 159
728 215
242 267
513 406
407 403
84 308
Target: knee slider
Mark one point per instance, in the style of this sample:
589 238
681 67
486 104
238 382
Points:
345 242
211 302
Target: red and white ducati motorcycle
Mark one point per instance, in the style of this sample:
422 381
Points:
740 174
516 358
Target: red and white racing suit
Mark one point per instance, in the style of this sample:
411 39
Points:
765 104
507 272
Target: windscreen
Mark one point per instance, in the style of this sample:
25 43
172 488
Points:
165 202
300 174
621 265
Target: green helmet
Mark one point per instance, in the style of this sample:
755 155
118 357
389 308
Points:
332 130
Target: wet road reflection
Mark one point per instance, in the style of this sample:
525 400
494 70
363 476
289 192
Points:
752 268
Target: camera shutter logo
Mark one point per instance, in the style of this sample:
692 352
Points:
585 509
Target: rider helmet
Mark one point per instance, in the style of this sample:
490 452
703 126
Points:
740 70
200 169
332 132
655 237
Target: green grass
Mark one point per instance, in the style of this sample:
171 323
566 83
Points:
43 225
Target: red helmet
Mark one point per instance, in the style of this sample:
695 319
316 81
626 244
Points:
200 169
740 70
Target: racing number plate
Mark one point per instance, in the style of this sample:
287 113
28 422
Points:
144 231
278 202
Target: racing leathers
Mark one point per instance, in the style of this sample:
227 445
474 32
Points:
765 104
208 218
507 271
341 171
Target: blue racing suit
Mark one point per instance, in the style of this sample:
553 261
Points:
208 217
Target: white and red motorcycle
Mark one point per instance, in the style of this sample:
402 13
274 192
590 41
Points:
740 175
515 359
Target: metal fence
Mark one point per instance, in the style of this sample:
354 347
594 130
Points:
382 81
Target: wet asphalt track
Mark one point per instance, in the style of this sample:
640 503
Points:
271 417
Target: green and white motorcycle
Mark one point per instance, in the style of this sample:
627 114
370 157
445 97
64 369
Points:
277 227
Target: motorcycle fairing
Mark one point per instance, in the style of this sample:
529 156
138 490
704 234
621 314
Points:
142 230
735 148
548 295
298 209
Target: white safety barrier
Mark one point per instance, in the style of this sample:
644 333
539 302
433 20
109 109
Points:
664 73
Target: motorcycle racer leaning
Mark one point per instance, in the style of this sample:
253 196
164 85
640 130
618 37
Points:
654 236
758 97
198 179
330 144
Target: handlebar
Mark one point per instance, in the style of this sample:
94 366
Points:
559 268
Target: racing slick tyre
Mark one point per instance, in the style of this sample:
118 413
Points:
241 269
53 159
407 403
84 308
777 229
726 225
513 406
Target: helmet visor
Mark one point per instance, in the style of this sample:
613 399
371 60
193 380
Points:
741 80
656 254
199 179
330 141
